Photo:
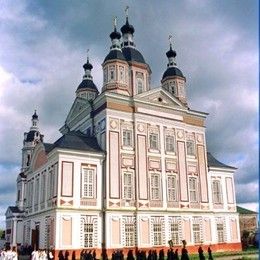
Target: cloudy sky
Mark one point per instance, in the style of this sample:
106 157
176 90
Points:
44 45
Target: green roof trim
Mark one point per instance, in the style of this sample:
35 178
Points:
241 210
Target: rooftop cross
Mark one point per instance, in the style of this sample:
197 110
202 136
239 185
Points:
126 11
170 40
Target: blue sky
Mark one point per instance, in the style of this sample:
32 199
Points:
44 45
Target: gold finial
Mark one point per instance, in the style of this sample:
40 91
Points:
126 11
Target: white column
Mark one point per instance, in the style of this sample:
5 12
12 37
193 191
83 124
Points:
14 232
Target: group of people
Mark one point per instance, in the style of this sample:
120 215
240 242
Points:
41 254
88 255
8 253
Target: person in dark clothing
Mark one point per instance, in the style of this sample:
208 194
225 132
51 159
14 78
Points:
201 255
94 255
61 256
66 255
176 255
130 255
104 254
210 253
184 251
161 254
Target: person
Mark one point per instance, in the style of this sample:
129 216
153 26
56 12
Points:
184 251
35 254
210 253
161 254
176 255
14 253
60 255
201 255
9 253
2 254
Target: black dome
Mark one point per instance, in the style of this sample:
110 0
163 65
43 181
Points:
87 83
172 71
171 53
87 66
114 55
35 116
115 35
127 28
132 54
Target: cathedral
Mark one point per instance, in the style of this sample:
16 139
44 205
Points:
130 171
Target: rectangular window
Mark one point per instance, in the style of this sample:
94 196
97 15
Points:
112 74
193 189
36 192
196 233
220 231
175 233
190 147
157 234
155 186
128 185
216 190
154 141
169 147
129 234
127 138
87 183
43 188
88 235
171 185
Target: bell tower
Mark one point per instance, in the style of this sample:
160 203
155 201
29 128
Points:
173 79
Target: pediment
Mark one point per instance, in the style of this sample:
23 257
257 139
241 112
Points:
78 105
39 157
160 96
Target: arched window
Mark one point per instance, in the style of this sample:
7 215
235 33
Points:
139 86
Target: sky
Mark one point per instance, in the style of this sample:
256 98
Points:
44 45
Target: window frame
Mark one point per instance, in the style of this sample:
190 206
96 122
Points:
130 239
154 144
87 187
169 144
88 235
190 145
193 191
217 196
157 234
127 136
155 190
128 188
172 189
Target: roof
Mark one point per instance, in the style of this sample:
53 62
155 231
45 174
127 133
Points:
15 209
76 140
172 71
115 54
243 211
47 147
213 162
132 54
87 83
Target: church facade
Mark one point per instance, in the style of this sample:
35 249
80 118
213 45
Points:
131 169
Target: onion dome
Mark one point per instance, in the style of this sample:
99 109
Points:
34 116
172 69
115 34
115 49
87 82
127 28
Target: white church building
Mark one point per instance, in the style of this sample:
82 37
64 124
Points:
131 169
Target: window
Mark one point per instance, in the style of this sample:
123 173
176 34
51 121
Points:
87 183
88 235
112 74
154 138
196 233
216 190
18 195
139 86
157 234
128 185
175 233
220 231
129 234
171 188
169 143
155 186
36 191
172 88
193 189
190 147
121 73
43 188
105 75
127 138
91 96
